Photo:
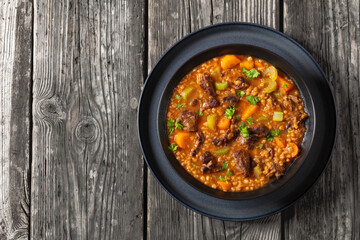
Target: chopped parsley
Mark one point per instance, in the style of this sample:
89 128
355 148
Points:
223 179
180 106
238 117
178 96
173 147
171 125
249 120
244 130
229 173
241 93
200 113
253 100
285 85
252 73
272 134
229 112
178 125
259 146
225 165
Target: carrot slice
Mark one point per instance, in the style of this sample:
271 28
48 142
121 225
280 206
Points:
224 123
182 139
284 85
225 185
229 61
293 149
249 111
280 142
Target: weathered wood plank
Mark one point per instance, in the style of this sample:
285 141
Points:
169 21
86 168
15 81
330 31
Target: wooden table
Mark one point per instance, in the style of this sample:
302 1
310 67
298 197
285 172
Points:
71 75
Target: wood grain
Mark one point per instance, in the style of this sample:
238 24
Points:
330 31
168 21
15 81
86 168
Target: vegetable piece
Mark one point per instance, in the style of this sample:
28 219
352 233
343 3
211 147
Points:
248 63
277 95
252 73
285 86
271 72
171 125
221 86
229 61
186 93
253 100
257 172
225 165
215 72
224 123
177 96
241 93
272 134
271 85
182 139
229 173
178 125
249 120
263 119
200 113
173 147
225 185
280 142
278 116
180 106
249 111
293 149
221 151
259 146
229 112
244 130
211 121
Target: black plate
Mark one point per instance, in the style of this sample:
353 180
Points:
246 39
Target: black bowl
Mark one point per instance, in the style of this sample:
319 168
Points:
243 39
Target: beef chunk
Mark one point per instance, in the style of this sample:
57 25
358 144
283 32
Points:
254 135
279 170
209 163
243 162
199 141
230 100
249 141
240 83
194 102
260 131
289 102
210 104
231 134
207 84
189 120
297 119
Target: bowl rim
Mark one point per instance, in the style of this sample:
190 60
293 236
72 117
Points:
256 26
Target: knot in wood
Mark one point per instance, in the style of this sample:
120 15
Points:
51 109
87 130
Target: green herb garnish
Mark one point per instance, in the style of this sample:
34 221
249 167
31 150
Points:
171 125
259 146
244 130
252 73
229 173
225 165
249 120
238 117
223 179
272 134
180 106
178 96
200 113
178 125
229 112
285 85
173 147
253 100
241 93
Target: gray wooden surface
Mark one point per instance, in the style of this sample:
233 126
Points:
71 73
